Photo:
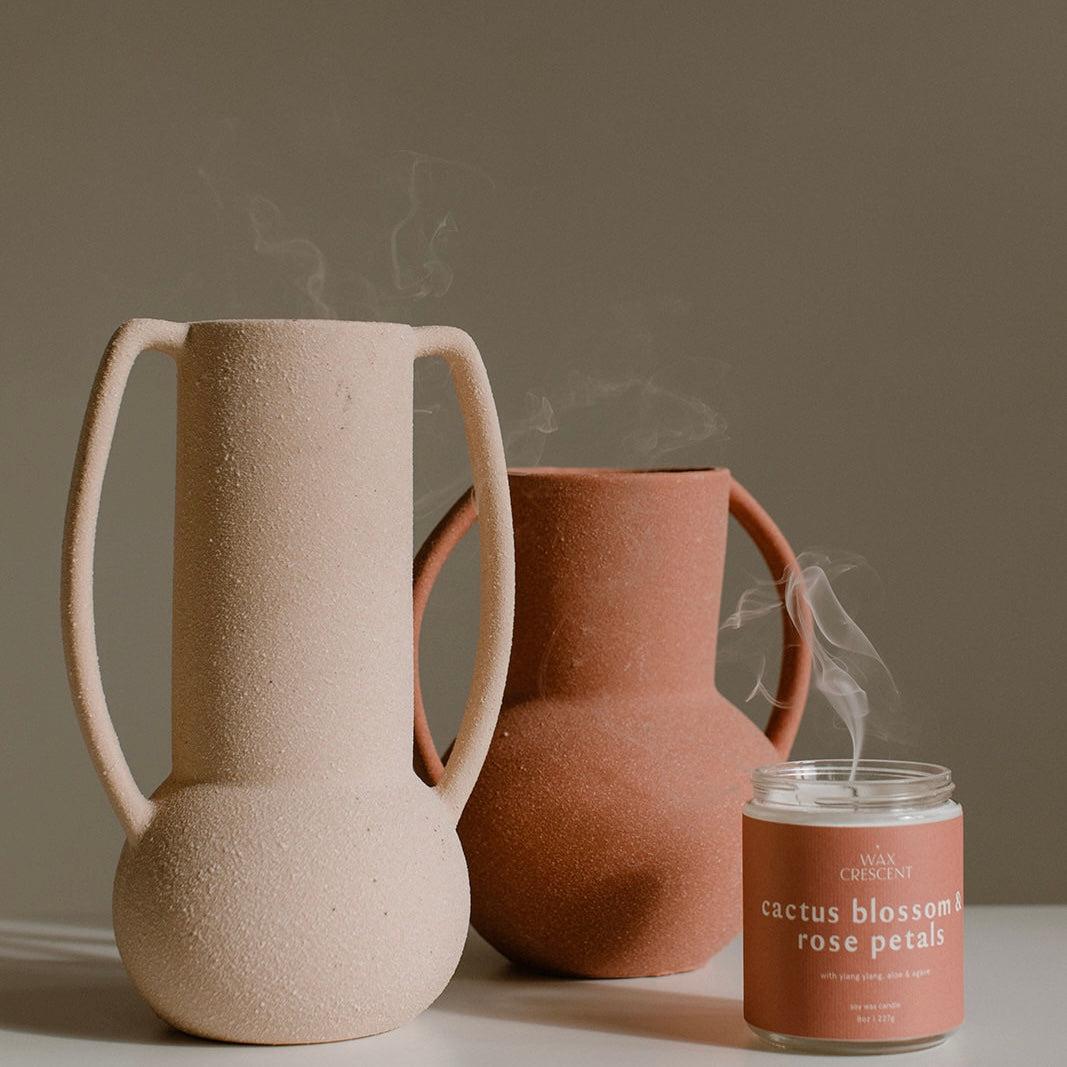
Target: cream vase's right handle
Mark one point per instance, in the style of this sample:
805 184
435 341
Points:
795 673
131 806
497 560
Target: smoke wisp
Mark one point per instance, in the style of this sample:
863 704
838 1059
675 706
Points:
299 257
634 422
847 670
393 250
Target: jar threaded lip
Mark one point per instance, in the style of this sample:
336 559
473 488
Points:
844 783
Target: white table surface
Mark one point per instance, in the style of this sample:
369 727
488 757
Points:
65 999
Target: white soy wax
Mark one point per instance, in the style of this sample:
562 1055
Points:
853 906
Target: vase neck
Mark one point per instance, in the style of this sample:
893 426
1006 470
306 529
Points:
619 580
292 553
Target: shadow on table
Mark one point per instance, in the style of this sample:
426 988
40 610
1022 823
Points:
68 982
487 985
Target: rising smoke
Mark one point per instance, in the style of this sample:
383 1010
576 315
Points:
405 250
595 421
381 259
300 258
847 670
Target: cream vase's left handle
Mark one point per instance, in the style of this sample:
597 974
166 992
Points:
497 548
131 806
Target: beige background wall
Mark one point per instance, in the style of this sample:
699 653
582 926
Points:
835 229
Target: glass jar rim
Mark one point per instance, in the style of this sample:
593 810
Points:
859 784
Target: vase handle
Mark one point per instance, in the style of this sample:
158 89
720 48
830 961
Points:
795 673
491 499
133 809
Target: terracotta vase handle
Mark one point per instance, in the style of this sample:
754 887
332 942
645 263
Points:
427 566
795 673
132 808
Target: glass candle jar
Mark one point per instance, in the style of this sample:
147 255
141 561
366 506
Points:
853 906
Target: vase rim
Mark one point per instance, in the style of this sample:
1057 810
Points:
613 472
274 323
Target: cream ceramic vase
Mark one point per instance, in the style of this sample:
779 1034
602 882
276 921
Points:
292 880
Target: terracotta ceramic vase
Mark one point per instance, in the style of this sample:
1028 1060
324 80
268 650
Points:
603 837
292 880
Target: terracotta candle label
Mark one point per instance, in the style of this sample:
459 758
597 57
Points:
854 933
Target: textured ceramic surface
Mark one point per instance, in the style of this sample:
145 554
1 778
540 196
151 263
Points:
292 880
604 834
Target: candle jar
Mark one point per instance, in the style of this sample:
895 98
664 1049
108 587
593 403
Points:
853 906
